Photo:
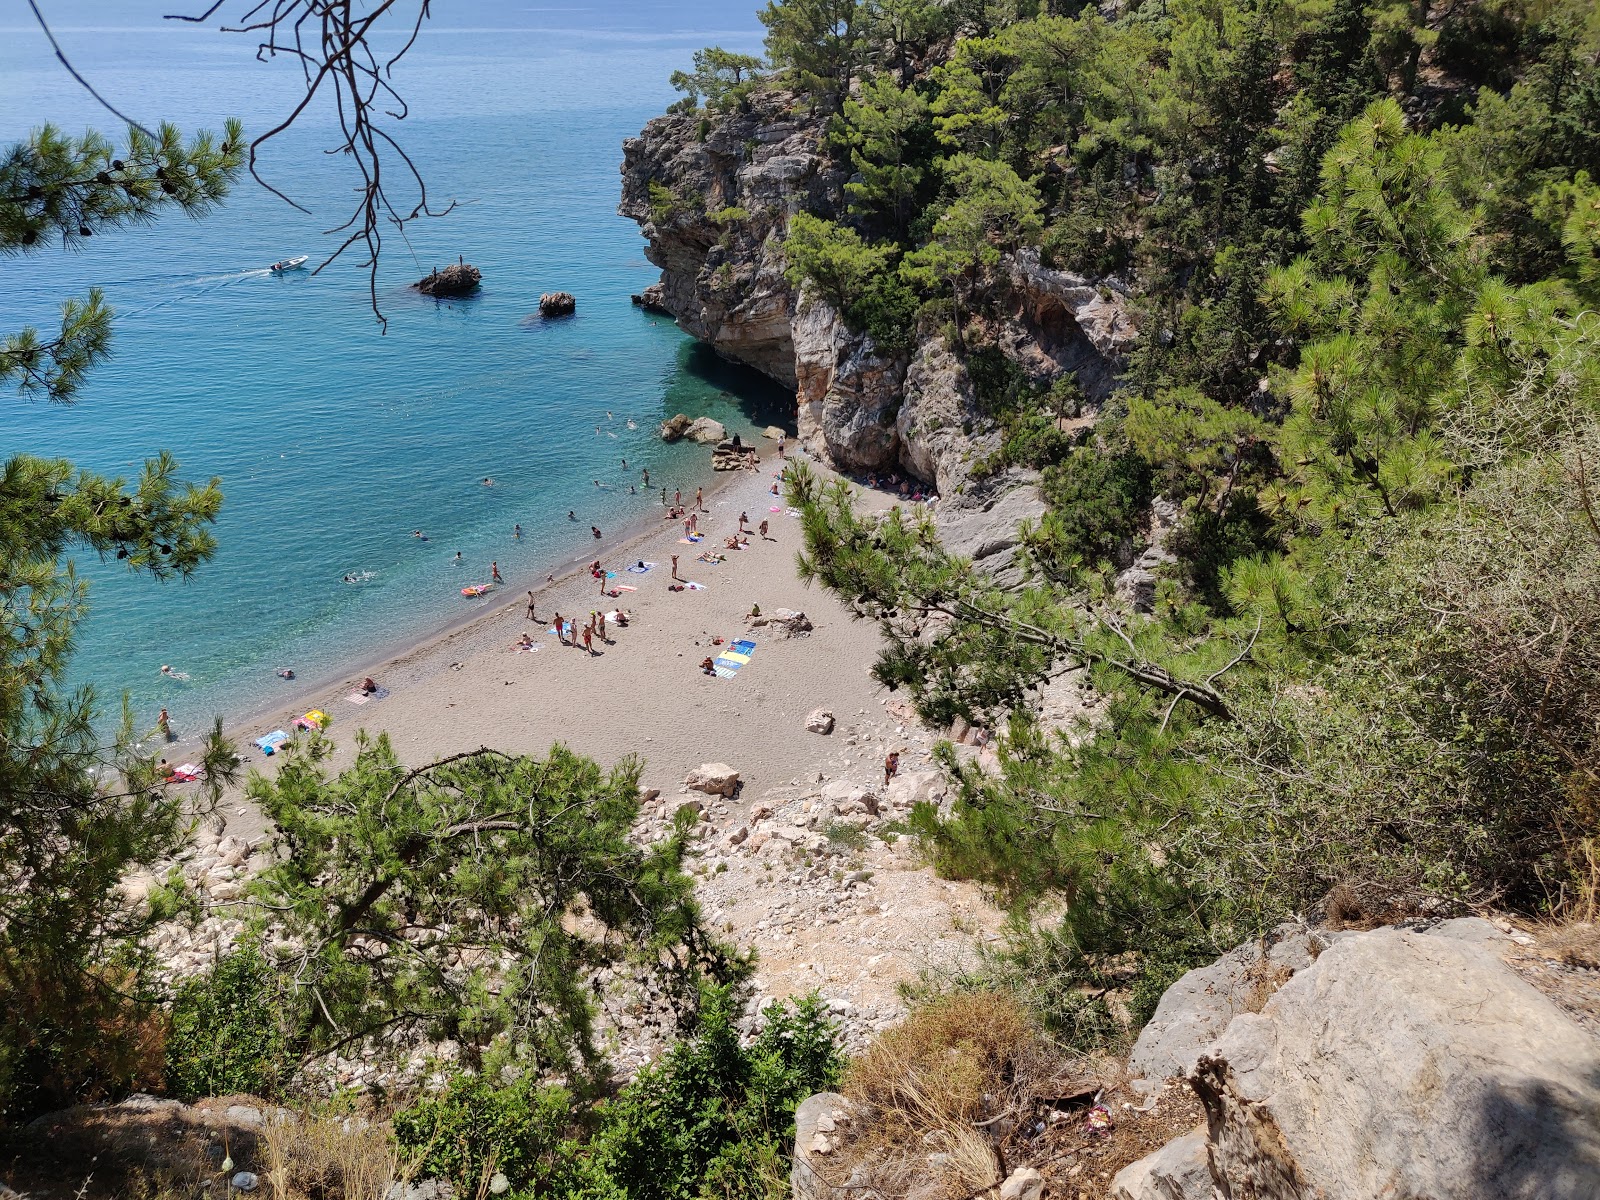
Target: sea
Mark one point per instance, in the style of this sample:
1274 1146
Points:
334 438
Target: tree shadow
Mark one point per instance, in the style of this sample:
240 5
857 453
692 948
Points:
1539 1138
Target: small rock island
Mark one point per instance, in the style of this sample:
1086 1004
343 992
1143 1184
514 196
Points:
459 279
557 304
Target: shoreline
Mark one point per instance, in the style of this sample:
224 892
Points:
303 695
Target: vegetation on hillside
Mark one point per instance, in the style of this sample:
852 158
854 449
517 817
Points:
1360 242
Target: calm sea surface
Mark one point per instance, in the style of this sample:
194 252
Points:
333 441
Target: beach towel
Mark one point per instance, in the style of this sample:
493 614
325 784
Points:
272 741
528 649
357 698
184 773
622 587
315 719
735 657
696 587
776 508
693 541
641 568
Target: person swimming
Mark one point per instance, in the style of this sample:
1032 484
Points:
286 673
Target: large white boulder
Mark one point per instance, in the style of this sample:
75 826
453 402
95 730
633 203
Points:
1404 1063
715 779
707 430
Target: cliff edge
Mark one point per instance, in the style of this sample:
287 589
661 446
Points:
713 194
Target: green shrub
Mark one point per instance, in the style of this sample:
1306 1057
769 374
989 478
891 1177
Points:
714 1118
731 213
475 1127
230 1029
1096 501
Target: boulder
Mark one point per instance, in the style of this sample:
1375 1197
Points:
1025 1183
1194 1012
915 787
651 300
715 779
1177 1171
819 720
1405 1063
773 432
783 622
557 304
706 430
673 428
459 279
843 797
818 1124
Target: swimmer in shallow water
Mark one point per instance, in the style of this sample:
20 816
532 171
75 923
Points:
286 673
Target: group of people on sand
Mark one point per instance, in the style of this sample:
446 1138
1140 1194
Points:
568 633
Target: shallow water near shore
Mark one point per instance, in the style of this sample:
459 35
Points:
334 441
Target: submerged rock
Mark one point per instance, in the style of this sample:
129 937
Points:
461 279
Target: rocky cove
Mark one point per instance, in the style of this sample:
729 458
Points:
713 195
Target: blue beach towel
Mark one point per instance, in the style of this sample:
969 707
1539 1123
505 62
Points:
641 568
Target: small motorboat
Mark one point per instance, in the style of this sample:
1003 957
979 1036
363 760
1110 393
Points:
288 264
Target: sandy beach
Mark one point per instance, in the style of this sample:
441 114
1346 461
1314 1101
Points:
852 917
641 691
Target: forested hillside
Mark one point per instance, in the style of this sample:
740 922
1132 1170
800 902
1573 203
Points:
1359 241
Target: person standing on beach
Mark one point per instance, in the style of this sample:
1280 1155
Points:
600 626
674 566
700 499
744 519
677 498
588 639
780 445
532 615
663 497
494 572
763 529
561 629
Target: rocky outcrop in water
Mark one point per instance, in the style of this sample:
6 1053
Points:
557 304
713 195
459 279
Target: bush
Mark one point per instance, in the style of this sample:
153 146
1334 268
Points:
476 1128
1096 501
714 1118
230 1029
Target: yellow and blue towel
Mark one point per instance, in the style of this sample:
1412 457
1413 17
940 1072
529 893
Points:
733 658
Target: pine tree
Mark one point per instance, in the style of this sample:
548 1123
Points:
78 814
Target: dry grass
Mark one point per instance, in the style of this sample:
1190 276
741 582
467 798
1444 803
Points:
1576 943
327 1157
942 1084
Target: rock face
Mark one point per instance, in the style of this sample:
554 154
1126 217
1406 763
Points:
557 304
1177 1171
1404 1062
714 197
847 393
460 279
1194 1012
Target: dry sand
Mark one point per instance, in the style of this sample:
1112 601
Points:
642 692
813 918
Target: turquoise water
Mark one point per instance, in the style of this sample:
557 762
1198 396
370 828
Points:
333 441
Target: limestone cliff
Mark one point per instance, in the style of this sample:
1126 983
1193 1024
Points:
714 194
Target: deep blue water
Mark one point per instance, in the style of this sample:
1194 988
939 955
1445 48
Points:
333 441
